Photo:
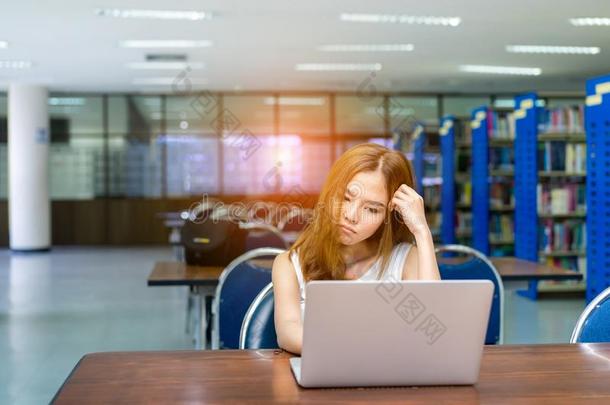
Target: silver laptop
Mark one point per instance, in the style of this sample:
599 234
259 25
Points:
373 333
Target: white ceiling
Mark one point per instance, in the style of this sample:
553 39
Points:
257 44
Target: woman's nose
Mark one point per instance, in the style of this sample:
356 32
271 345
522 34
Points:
351 213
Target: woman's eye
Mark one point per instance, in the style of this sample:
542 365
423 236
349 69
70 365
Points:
373 210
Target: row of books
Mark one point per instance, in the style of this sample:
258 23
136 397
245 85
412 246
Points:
501 159
562 156
463 223
463 191
561 199
564 119
568 262
569 235
500 125
501 194
501 228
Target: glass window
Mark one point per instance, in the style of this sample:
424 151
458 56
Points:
135 146
75 114
76 153
309 115
405 111
344 144
193 114
359 115
134 114
461 106
192 165
274 164
254 114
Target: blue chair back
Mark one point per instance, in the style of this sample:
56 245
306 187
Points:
238 286
258 328
263 235
593 325
477 267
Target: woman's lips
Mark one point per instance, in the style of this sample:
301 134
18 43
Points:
347 229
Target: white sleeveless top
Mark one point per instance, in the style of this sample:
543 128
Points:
394 271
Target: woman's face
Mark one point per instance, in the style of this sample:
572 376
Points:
364 207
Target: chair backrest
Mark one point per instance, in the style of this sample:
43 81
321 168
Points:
263 235
238 285
477 267
258 328
593 325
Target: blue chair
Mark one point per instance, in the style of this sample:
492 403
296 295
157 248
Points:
593 325
238 285
258 328
477 267
263 235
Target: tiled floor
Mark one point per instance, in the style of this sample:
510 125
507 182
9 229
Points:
56 307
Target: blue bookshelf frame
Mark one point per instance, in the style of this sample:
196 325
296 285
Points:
447 135
480 179
419 142
597 111
526 181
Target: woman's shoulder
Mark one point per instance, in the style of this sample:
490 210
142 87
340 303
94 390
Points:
402 246
283 258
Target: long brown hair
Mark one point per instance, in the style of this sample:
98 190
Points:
318 245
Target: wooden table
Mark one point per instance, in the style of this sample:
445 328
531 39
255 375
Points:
521 374
511 268
514 270
202 280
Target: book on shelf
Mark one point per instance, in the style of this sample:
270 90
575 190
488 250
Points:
562 120
500 195
501 228
562 156
500 125
432 197
432 168
578 264
463 223
561 199
434 219
565 236
464 193
502 159
463 132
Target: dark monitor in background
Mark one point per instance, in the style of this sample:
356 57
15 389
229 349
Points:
59 128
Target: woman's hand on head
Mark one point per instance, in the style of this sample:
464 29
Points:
410 206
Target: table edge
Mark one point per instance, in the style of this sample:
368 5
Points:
68 377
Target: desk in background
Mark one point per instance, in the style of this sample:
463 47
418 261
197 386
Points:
203 281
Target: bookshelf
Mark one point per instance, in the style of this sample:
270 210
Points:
427 155
424 155
456 192
597 111
447 140
493 173
550 211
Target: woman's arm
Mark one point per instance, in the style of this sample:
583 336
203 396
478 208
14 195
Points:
421 260
287 297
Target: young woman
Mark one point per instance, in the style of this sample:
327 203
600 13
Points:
369 224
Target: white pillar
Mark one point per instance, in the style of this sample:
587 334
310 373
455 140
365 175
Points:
28 162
